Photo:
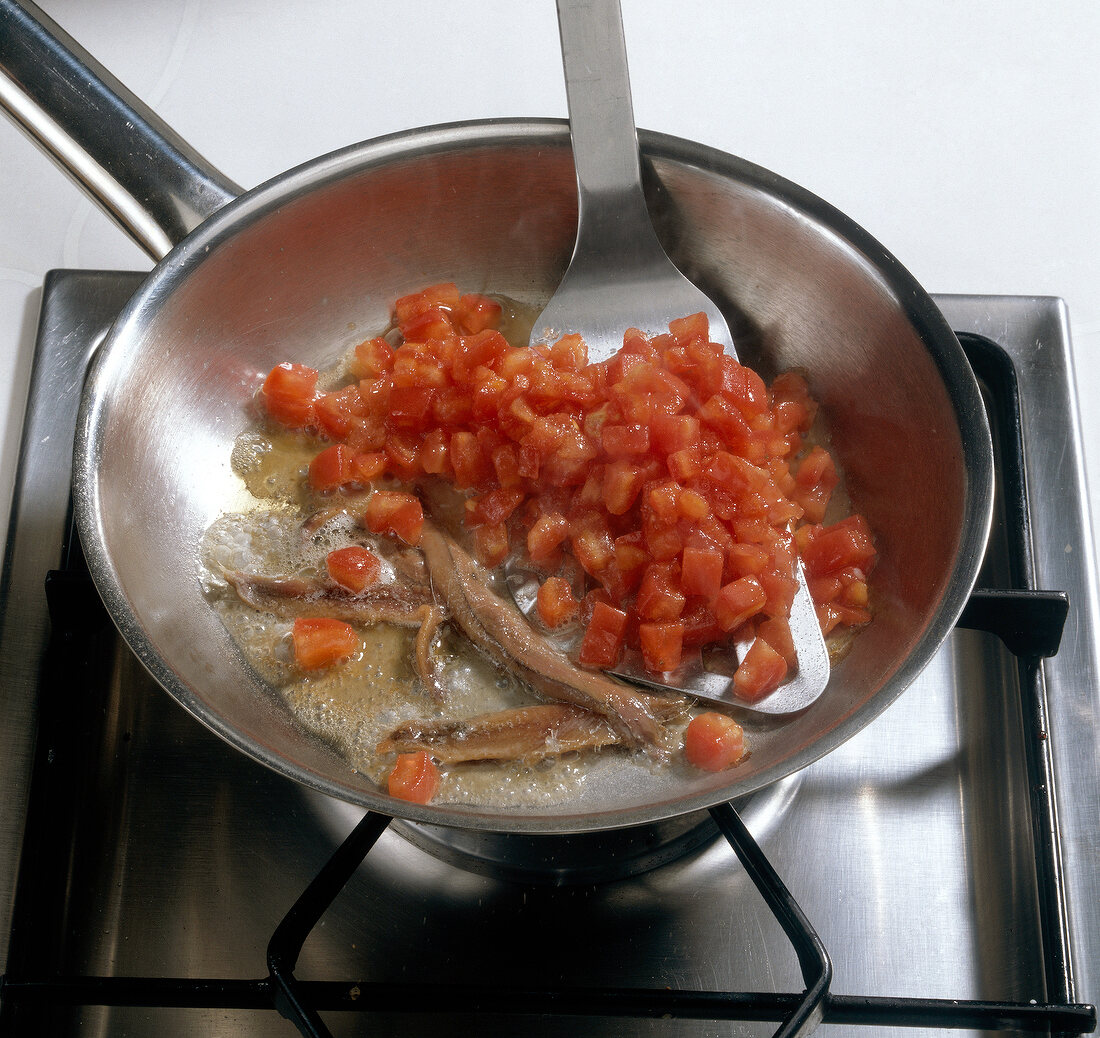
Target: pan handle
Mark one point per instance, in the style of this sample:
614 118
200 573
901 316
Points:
143 174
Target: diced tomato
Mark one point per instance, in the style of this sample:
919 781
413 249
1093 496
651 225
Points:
477 354
730 423
743 387
631 559
321 641
779 591
569 353
491 544
853 589
673 433
289 392
668 472
556 602
415 778
591 542
402 455
367 466
663 540
622 482
547 534
684 465
794 408
372 358
776 631
602 645
476 313
815 482
353 567
743 560
663 499
701 572
832 548
620 441
695 326
493 507
367 434
409 404
690 504
331 469
335 413
760 672
714 741
662 645
700 626
444 296
739 601
396 512
659 595
471 467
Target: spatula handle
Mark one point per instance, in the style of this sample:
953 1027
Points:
601 117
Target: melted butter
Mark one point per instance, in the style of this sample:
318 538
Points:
272 464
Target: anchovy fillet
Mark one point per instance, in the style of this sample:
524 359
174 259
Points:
527 733
501 632
396 603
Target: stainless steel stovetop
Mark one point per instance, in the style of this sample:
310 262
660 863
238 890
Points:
922 850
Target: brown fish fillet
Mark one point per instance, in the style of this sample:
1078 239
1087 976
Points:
528 733
499 629
433 617
396 603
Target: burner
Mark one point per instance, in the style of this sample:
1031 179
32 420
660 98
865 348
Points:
581 858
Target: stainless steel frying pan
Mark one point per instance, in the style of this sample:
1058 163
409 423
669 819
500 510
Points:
306 264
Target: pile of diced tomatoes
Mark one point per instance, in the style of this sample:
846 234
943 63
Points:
670 473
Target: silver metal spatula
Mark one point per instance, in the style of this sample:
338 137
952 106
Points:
620 277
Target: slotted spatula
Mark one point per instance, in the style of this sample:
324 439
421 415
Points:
620 277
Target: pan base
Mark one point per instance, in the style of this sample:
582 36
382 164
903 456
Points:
596 857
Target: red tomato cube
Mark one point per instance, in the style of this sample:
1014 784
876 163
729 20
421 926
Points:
701 572
322 641
288 394
396 512
556 602
662 645
714 741
602 645
476 313
659 595
620 441
846 543
354 567
760 672
738 601
491 545
546 535
415 778
330 469
367 466
372 359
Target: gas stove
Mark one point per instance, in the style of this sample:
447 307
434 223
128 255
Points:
946 861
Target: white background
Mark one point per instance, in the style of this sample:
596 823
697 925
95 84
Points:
964 135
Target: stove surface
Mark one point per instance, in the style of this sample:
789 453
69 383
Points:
912 848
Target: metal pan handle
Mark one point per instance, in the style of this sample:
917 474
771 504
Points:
142 173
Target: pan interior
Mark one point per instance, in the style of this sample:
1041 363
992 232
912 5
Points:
308 265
